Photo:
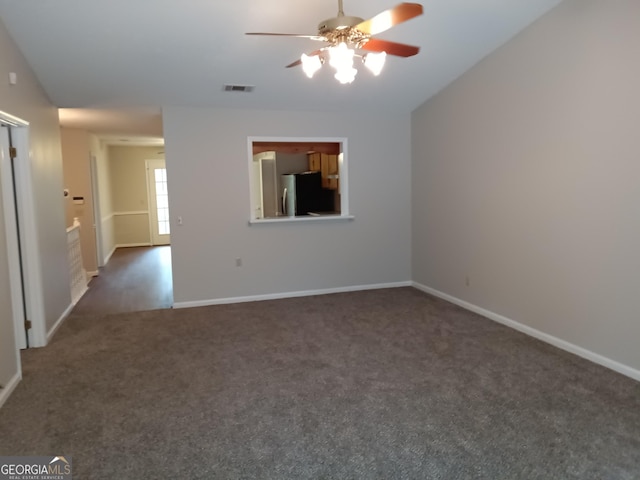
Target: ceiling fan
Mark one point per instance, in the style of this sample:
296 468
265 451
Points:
350 37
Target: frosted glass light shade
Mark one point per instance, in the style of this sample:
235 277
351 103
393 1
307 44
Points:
310 64
375 61
346 75
341 58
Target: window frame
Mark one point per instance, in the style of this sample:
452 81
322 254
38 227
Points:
343 185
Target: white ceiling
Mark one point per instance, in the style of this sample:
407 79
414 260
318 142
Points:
144 54
133 126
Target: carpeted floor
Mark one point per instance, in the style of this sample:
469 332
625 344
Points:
387 384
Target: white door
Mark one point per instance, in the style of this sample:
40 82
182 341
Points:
9 285
270 203
20 229
158 202
258 207
12 247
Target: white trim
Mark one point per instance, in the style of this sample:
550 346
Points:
9 388
343 173
13 257
278 296
108 257
75 226
84 290
97 225
11 120
132 212
113 250
127 245
29 230
309 218
103 220
59 322
152 202
545 337
35 296
149 204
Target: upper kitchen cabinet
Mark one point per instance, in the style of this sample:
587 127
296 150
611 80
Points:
327 164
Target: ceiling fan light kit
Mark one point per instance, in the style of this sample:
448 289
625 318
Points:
347 36
311 64
375 61
341 58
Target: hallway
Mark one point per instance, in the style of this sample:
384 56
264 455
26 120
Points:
134 279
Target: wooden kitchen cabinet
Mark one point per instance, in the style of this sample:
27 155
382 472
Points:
314 162
328 165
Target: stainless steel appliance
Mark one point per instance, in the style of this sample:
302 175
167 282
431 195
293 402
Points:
301 193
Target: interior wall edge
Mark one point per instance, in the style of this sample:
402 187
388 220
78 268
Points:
283 295
5 393
621 368
52 331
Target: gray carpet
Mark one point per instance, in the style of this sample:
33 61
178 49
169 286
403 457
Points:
388 384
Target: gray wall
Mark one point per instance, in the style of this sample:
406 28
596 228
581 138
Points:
27 100
208 168
526 179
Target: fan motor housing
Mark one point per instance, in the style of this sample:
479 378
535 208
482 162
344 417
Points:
338 23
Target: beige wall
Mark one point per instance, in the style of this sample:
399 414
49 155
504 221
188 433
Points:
128 179
107 240
28 101
76 159
208 172
525 180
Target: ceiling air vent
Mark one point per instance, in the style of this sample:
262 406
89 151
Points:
239 88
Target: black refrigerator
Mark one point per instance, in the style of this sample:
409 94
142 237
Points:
302 193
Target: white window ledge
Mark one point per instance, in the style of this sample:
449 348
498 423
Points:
304 219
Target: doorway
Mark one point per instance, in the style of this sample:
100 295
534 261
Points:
134 279
136 272
13 246
158 202
20 227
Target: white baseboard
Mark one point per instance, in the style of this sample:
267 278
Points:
9 388
108 257
59 322
278 296
545 337
84 290
128 245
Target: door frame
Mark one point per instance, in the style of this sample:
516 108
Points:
257 196
151 201
32 291
97 215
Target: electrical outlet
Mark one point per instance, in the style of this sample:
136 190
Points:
238 262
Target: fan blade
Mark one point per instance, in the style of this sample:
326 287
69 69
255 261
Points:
389 18
312 37
298 62
392 48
